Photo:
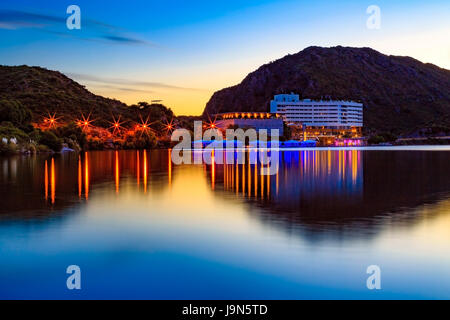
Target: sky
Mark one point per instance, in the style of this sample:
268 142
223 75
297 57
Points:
181 52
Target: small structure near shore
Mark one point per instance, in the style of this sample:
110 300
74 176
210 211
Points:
246 120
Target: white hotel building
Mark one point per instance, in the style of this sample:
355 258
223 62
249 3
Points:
317 113
319 118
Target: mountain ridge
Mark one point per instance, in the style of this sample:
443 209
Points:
400 94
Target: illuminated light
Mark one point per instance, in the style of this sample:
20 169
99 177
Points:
169 126
211 123
53 181
46 180
85 122
51 120
144 126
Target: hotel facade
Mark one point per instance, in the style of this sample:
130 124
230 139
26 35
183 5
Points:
319 120
256 120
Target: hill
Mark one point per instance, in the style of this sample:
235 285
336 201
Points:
29 94
43 91
400 94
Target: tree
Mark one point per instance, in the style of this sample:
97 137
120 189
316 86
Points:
14 112
50 140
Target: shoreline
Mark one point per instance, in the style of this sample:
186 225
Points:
283 149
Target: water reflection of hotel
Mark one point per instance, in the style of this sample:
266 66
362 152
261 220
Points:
306 173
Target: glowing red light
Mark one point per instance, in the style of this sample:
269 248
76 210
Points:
51 119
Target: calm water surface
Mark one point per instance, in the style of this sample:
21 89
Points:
140 227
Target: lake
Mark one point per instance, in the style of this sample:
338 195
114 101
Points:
140 227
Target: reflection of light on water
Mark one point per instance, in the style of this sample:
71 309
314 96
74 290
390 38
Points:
170 167
138 168
191 222
145 170
80 177
117 171
86 175
213 169
53 181
277 183
256 180
354 156
46 180
305 170
329 161
242 176
340 171
261 185
268 180
249 178
237 178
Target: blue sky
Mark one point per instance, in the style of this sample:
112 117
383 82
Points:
183 51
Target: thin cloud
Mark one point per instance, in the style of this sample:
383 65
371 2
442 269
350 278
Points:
124 82
13 20
122 88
